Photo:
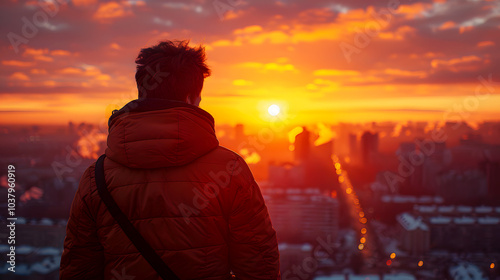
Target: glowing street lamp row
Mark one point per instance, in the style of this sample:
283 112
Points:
343 179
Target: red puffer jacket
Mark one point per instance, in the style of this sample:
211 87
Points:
195 202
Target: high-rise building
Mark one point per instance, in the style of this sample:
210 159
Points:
353 145
239 133
408 155
302 215
302 145
492 171
369 146
415 234
450 231
469 186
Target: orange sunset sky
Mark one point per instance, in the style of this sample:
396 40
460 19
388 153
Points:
328 61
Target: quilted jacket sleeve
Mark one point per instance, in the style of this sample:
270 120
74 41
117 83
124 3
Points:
253 244
83 256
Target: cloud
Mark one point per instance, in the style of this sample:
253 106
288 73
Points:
86 70
49 83
231 14
38 71
183 6
335 72
224 43
248 29
242 82
400 34
160 21
38 54
26 111
465 63
485 44
60 53
84 3
422 43
35 52
405 73
115 46
368 79
415 10
272 66
17 63
447 25
323 85
19 76
71 70
111 10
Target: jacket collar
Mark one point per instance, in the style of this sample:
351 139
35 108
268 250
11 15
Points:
154 104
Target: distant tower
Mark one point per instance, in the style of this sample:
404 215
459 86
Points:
239 133
353 145
492 172
71 128
439 152
302 145
413 185
369 146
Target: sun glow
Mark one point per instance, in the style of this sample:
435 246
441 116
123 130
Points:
273 110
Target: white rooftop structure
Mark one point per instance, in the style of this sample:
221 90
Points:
411 223
457 210
484 209
466 271
489 221
446 209
464 220
397 198
426 208
49 251
464 209
396 276
306 247
440 220
46 222
45 266
350 277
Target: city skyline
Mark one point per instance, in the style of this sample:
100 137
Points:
370 129
346 61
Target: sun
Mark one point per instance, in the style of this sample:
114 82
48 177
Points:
273 110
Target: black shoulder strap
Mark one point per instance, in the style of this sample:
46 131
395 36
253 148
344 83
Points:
142 245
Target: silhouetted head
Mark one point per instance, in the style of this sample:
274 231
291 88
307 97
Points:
172 70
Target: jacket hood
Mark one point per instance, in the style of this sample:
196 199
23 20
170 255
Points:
156 133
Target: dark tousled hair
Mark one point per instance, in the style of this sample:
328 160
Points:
171 70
